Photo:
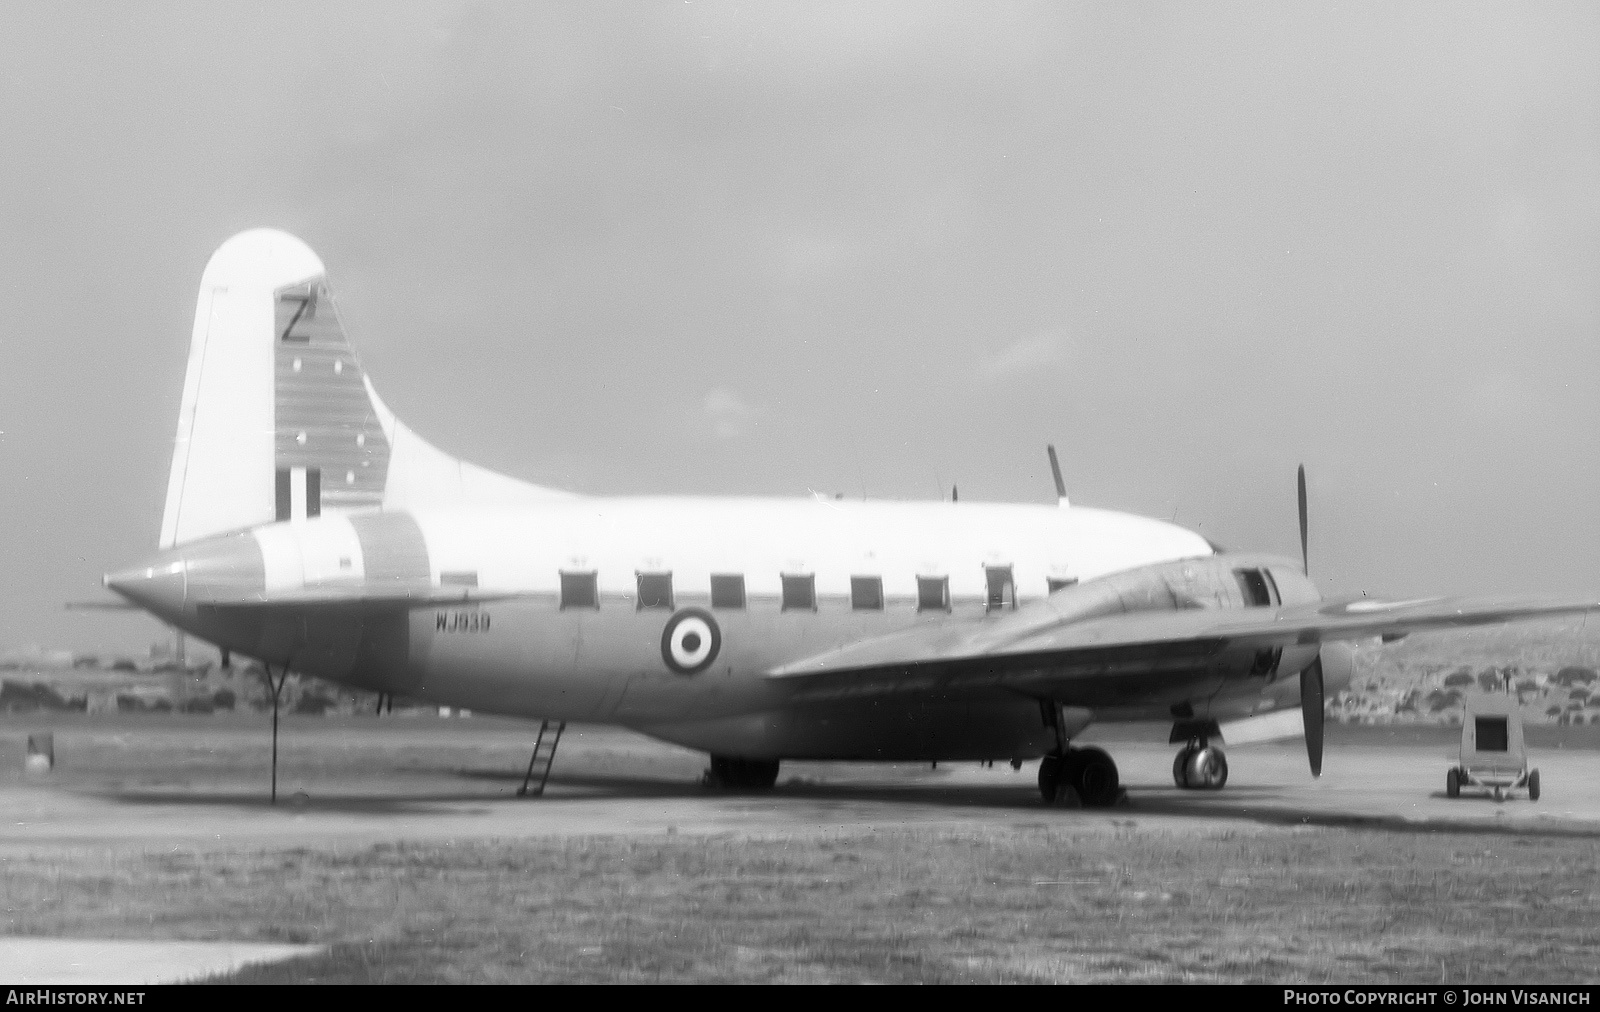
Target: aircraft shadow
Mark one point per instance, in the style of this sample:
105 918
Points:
435 803
1254 804
1260 804
1471 794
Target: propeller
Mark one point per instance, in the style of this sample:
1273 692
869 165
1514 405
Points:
1305 558
1311 695
1311 704
1055 472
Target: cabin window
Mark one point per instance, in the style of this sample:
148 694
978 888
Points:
800 593
655 590
1002 590
1491 734
1055 583
313 492
727 590
282 494
933 593
1257 592
579 590
866 593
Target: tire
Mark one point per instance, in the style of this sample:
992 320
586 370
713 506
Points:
1180 765
743 774
761 774
1533 786
1096 778
1452 783
1207 769
1221 775
1049 778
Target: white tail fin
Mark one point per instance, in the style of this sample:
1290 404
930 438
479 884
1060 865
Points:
279 422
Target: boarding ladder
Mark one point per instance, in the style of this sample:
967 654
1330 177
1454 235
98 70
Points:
544 752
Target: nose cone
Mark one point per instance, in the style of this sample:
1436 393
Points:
157 585
223 570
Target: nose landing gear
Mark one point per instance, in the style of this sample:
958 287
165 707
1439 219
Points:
1200 766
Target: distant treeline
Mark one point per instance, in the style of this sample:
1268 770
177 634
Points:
301 694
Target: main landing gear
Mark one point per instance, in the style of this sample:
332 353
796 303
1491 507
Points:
742 774
1087 771
1200 766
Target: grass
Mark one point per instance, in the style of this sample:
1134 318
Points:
1020 903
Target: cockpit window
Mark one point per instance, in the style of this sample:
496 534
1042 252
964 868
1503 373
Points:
1257 592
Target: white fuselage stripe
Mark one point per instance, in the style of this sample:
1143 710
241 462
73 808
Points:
526 549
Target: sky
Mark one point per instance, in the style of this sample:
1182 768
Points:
879 250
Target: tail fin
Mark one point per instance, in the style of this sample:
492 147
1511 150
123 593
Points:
279 421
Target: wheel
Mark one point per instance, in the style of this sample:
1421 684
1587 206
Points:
742 774
1452 783
1207 769
1533 786
760 774
1180 764
1096 778
1219 770
1049 778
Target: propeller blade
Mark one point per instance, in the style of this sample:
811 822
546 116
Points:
1055 470
1305 558
1311 713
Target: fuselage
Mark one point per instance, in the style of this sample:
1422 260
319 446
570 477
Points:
571 610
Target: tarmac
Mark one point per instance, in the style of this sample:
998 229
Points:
91 962
200 783
200 786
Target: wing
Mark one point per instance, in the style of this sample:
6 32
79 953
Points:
1038 652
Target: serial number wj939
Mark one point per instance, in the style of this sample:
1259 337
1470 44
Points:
461 621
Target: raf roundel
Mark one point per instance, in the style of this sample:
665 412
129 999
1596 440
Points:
690 641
